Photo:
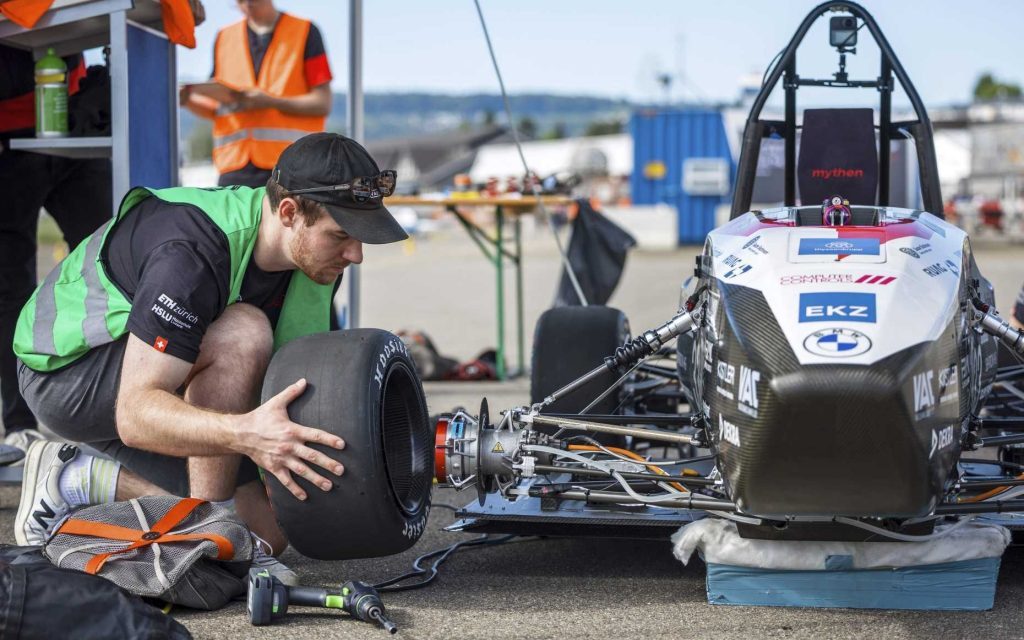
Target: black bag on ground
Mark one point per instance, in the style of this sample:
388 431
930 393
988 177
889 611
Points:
39 600
430 364
597 252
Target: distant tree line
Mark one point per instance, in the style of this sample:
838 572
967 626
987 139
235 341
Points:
988 88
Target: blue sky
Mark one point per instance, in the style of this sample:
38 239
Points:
616 48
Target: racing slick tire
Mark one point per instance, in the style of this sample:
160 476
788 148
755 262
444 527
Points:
362 385
568 342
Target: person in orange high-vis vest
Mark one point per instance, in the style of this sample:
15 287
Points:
278 65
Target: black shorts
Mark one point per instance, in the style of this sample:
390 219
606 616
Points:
78 403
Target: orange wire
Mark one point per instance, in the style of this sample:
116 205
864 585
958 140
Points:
635 456
995 491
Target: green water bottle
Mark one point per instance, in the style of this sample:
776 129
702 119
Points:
51 96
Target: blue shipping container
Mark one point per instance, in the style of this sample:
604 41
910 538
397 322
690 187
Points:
667 141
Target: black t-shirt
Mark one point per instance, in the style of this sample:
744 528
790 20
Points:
173 263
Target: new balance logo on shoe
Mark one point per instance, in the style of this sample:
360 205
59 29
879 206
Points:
44 516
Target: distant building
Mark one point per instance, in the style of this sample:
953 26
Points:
602 163
430 162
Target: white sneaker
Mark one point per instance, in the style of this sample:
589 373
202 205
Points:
41 504
22 439
261 559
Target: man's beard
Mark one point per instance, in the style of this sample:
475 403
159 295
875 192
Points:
302 256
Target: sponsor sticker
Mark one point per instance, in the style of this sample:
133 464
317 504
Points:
837 343
732 273
817 278
837 172
831 307
836 278
873 279
934 270
748 391
160 344
712 313
924 395
839 246
754 246
949 385
910 252
728 431
737 265
941 439
726 372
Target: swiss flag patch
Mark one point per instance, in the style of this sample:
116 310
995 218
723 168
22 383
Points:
160 344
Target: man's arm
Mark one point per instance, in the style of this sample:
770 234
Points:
315 103
151 417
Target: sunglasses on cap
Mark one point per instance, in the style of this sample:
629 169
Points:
362 189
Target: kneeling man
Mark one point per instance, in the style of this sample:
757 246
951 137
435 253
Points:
150 341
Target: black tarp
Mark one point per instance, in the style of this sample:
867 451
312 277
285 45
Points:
39 600
597 252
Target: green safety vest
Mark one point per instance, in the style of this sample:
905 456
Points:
78 307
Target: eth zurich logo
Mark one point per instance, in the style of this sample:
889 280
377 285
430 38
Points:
837 343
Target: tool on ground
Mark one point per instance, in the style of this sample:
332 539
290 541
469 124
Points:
269 599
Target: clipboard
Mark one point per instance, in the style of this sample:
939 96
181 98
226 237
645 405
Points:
215 91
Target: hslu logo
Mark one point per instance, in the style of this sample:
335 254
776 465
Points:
748 391
924 395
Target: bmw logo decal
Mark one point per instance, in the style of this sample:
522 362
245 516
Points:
837 343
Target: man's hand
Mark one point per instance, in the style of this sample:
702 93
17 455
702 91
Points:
278 445
197 103
315 103
251 99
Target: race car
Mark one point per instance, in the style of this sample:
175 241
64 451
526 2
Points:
830 369
834 374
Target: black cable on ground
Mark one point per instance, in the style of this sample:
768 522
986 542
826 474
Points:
392 584
441 505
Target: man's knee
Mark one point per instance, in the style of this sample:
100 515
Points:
241 334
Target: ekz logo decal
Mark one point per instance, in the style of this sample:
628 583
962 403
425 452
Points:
844 307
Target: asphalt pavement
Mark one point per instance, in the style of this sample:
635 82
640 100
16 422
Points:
562 588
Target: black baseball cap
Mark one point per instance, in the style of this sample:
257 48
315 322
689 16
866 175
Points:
328 159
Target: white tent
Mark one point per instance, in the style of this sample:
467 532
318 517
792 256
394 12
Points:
612 154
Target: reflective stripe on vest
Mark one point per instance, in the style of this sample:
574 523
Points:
94 325
260 133
45 315
258 136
